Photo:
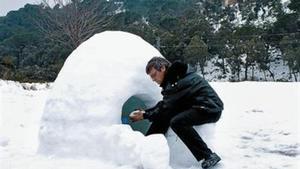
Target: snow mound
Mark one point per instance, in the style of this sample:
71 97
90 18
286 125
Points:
3 141
82 113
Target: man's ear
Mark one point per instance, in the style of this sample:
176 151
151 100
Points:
163 69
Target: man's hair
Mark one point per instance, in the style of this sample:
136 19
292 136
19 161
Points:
157 63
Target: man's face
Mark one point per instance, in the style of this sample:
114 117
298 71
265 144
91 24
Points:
156 75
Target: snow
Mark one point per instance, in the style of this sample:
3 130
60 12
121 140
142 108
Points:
266 15
266 18
75 122
238 21
285 7
259 129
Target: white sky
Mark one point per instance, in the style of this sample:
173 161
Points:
10 5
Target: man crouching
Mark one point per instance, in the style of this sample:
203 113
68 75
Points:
188 100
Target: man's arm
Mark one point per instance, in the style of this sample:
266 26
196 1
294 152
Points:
150 114
153 113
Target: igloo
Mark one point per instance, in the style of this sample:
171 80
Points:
82 113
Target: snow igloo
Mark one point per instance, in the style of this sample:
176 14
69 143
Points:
82 114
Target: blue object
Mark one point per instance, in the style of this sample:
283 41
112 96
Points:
125 120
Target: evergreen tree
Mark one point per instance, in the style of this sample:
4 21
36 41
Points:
197 53
291 53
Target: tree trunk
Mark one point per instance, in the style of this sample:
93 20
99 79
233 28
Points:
252 78
295 76
290 73
223 65
246 71
202 71
239 71
272 74
265 75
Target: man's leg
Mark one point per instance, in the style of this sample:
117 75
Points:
183 123
160 126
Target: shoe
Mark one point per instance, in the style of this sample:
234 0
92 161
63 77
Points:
211 161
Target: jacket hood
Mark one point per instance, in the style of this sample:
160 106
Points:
176 71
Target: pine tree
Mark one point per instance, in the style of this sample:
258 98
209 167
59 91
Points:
197 53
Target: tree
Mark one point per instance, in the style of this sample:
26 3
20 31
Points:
71 22
7 61
196 53
255 49
18 43
251 47
170 45
6 67
235 60
169 23
291 53
222 43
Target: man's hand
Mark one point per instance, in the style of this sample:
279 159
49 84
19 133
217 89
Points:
137 115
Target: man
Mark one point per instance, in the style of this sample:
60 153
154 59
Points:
188 100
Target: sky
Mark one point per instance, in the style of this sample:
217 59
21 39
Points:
10 5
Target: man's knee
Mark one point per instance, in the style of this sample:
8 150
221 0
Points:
176 123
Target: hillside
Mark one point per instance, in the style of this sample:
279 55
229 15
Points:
232 40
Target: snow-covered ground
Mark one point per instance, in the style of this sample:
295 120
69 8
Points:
259 128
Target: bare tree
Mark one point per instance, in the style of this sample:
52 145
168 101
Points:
71 22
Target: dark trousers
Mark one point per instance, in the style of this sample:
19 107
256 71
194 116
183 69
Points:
182 124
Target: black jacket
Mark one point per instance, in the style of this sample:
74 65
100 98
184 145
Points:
183 89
